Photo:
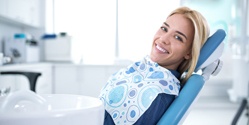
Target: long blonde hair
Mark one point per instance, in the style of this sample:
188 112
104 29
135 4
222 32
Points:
201 34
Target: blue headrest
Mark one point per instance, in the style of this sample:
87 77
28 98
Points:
211 50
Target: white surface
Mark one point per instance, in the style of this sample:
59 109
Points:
214 106
82 79
3 7
58 49
240 80
214 111
61 110
62 78
25 12
44 83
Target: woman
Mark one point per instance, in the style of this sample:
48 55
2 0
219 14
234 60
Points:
142 92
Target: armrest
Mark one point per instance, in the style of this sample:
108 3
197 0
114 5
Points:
181 104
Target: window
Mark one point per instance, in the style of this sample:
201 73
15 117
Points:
138 22
92 25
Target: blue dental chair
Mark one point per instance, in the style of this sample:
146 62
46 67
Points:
208 64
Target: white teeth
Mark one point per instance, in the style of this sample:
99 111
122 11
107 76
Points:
161 49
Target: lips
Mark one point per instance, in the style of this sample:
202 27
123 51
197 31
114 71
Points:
161 49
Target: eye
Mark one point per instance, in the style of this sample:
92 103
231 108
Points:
164 29
178 38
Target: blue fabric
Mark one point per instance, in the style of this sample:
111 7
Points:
108 119
208 48
193 86
183 101
154 112
129 92
175 73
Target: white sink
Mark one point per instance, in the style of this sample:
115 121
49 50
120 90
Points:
28 108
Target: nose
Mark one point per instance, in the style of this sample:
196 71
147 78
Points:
165 38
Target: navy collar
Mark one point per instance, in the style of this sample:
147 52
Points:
175 73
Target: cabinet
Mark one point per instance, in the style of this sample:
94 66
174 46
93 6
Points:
58 49
3 7
21 12
44 83
82 79
63 78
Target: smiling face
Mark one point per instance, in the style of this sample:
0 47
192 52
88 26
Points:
172 42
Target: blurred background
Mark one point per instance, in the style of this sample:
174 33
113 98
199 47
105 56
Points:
78 44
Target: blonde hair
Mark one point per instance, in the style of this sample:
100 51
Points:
201 33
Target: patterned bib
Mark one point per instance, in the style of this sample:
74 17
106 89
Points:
130 92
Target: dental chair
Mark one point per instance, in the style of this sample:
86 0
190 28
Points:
208 64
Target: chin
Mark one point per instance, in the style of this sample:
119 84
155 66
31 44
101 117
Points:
154 58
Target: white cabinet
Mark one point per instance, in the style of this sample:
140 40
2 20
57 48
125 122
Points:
63 78
44 82
82 79
58 49
66 79
18 10
3 7
21 12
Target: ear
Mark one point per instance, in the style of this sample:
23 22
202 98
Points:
187 56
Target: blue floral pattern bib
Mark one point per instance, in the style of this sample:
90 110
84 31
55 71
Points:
130 92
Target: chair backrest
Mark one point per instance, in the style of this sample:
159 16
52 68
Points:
179 109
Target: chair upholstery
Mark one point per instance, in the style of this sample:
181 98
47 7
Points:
180 107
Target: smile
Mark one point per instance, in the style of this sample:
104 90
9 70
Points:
161 49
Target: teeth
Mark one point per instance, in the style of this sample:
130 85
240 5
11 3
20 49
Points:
161 49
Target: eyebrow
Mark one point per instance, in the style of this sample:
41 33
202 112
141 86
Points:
176 31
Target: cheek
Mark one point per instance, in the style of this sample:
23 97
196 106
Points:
181 50
153 43
188 49
155 38
186 53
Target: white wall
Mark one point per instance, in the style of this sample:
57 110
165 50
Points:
6 31
9 28
247 19
93 27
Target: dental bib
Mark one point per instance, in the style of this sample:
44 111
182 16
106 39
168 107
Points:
130 92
